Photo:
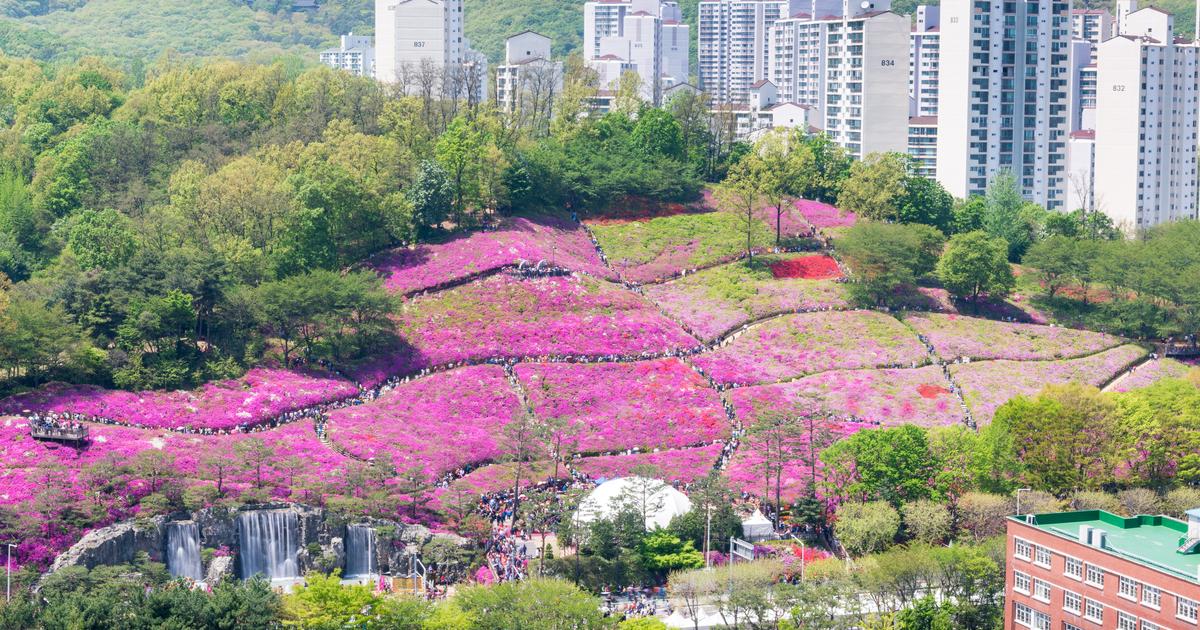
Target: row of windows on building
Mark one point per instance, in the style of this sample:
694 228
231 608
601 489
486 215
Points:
1092 575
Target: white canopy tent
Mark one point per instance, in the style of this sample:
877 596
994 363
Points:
607 499
757 527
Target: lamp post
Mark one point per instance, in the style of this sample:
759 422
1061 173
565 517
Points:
8 572
708 536
1019 491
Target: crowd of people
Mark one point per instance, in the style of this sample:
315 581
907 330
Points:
507 553
633 602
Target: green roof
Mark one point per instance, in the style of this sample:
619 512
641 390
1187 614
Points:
1151 541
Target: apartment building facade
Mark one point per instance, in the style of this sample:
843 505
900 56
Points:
923 61
643 36
1095 570
1147 119
1003 97
529 78
847 64
1092 26
733 44
355 54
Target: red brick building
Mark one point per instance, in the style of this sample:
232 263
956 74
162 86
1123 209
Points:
1094 570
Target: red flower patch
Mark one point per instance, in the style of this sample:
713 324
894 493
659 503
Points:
815 267
931 391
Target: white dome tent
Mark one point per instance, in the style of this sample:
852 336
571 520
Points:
662 501
757 527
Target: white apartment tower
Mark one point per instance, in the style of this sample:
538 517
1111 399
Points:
1092 26
1146 124
1003 96
645 36
732 44
529 77
923 64
847 65
355 54
410 32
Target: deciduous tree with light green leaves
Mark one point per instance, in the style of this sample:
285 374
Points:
875 188
975 265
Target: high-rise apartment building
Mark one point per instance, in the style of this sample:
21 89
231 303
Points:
923 64
1003 96
1146 123
1095 570
420 42
411 32
733 44
1092 26
355 54
847 64
529 78
644 36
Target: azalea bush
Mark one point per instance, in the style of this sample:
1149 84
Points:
823 215
511 317
886 397
954 337
715 301
556 240
678 465
806 343
440 422
259 396
618 406
1150 373
811 267
988 384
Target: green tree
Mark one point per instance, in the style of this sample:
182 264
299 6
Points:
885 258
658 133
661 551
1057 260
875 188
925 201
926 521
324 603
1002 216
975 265
894 465
1064 438
864 528
536 604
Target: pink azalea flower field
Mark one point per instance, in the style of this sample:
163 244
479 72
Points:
955 337
715 301
618 406
556 240
885 397
823 215
441 422
682 465
257 397
807 343
1150 373
505 316
989 384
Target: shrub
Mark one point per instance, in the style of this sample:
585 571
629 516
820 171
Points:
866 527
982 515
926 521
1180 500
1092 500
1136 501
